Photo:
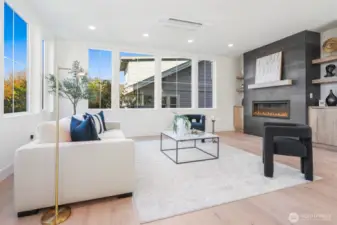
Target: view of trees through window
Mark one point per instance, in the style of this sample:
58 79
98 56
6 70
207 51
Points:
100 76
136 80
205 89
176 82
15 61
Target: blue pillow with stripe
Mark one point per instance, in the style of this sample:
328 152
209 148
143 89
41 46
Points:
98 120
83 130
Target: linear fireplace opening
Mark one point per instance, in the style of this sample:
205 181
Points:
275 109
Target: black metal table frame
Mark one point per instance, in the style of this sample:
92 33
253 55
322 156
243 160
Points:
192 147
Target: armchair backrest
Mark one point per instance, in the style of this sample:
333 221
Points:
198 117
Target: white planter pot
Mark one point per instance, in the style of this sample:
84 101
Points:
181 129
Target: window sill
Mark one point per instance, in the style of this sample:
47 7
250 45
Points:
15 115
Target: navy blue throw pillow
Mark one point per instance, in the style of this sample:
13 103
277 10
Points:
83 130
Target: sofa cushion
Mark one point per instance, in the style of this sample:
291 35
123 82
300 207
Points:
83 130
112 134
46 131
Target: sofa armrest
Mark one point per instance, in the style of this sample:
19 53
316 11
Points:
87 170
110 125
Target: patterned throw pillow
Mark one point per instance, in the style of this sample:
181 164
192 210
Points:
98 120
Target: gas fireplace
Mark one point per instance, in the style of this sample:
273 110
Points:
275 109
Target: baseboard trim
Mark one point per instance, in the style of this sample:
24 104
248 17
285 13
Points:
6 172
35 211
326 147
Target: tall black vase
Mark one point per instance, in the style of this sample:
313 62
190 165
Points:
331 100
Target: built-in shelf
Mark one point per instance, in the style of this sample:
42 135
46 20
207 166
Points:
239 77
271 84
326 80
325 60
323 107
239 90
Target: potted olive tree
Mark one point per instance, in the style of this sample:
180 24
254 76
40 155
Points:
74 87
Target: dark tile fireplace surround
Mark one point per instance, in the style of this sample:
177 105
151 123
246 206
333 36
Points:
283 103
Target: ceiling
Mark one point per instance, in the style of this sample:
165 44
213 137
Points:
247 24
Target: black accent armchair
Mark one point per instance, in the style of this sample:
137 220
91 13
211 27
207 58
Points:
199 123
287 139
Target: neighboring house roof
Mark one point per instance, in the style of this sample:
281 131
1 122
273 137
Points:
139 68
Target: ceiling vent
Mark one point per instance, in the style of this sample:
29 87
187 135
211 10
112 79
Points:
184 24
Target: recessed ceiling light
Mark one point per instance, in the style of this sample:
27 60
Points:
145 35
92 28
190 41
230 45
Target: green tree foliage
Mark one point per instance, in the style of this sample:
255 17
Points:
74 88
126 99
99 94
15 92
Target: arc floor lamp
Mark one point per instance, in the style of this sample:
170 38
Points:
58 214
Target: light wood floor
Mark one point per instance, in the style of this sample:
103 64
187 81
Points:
310 201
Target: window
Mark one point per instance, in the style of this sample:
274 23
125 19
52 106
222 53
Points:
42 74
176 83
15 61
205 88
100 76
136 80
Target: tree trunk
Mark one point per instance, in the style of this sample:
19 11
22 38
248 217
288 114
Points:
74 109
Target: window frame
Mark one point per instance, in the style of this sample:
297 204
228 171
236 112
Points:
28 63
126 80
177 95
213 77
43 74
101 80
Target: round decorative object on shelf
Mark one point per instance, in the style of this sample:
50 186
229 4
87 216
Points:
330 45
331 100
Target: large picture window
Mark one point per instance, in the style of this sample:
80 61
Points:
100 76
15 61
176 82
137 73
205 89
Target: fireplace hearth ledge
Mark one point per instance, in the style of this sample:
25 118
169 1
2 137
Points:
271 84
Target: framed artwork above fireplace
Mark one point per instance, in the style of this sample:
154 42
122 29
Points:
268 68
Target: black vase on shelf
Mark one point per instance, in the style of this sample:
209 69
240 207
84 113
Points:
331 100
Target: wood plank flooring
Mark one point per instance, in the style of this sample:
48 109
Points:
316 203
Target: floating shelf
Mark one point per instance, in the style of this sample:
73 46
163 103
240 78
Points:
239 90
326 80
325 60
271 84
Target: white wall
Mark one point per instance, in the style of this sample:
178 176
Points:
325 88
142 122
15 129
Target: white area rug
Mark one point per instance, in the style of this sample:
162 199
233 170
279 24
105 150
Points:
165 189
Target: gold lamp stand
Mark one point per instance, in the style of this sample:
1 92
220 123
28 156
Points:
58 214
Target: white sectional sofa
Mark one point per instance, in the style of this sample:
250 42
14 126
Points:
87 170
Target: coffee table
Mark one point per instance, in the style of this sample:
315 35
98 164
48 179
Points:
188 137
